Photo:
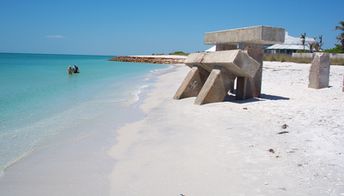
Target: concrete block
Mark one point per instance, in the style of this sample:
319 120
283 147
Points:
236 62
192 84
221 47
259 35
319 73
215 88
254 85
243 90
252 88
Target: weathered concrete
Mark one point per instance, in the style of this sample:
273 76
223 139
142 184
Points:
192 84
252 35
224 66
239 54
251 40
236 62
215 88
319 73
243 89
221 47
253 86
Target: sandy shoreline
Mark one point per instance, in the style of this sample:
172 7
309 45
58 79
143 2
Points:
75 162
176 147
223 148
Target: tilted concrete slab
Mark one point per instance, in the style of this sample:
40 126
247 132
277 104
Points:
259 35
192 84
215 88
236 62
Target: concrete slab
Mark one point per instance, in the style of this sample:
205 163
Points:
192 84
259 35
237 62
215 88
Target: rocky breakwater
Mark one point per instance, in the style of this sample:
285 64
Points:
155 59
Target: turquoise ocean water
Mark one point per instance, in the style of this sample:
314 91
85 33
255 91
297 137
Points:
39 100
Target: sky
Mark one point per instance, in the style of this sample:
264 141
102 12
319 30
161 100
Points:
127 27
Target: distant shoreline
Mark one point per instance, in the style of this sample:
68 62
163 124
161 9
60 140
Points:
155 59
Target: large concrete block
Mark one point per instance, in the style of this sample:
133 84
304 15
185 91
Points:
236 62
319 73
192 84
215 88
254 86
259 35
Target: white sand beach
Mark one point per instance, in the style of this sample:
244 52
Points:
234 148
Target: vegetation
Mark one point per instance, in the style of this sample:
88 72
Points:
340 37
179 53
287 58
317 45
303 40
337 49
321 43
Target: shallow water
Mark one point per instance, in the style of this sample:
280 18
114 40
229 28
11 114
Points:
40 103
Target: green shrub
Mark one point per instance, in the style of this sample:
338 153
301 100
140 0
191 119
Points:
337 49
179 53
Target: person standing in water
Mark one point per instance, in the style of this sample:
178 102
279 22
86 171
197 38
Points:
76 69
70 70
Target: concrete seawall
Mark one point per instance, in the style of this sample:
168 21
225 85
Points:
167 59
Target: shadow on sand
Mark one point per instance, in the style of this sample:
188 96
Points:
273 97
263 97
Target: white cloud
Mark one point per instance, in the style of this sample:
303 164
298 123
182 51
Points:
54 36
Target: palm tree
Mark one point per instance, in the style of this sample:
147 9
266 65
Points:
321 42
303 40
340 37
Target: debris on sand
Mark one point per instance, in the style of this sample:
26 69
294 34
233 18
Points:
271 150
284 126
283 132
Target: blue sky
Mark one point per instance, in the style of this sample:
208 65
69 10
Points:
145 27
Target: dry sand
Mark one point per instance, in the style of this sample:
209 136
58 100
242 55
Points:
223 148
